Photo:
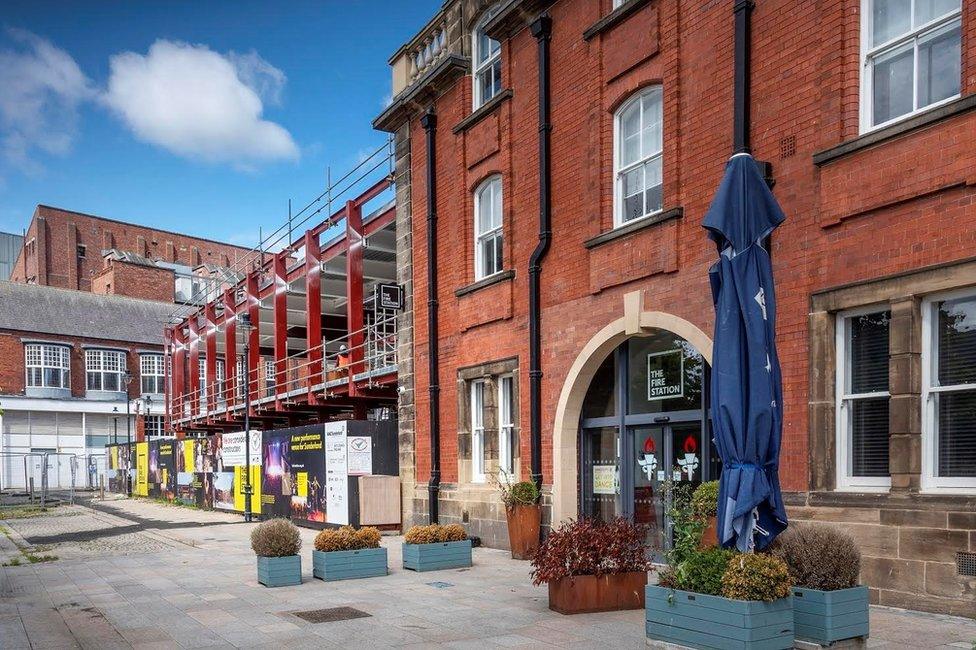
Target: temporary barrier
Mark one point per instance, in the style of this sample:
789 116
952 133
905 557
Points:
309 474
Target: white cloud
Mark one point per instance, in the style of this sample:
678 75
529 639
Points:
41 87
200 104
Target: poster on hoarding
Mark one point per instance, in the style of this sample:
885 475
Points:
234 453
294 474
142 469
336 473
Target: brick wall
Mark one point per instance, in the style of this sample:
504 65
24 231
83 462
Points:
134 280
12 367
904 203
57 260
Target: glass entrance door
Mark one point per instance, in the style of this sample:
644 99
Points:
642 426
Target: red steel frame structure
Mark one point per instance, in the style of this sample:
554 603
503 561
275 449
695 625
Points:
318 381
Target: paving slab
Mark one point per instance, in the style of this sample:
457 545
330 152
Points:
138 574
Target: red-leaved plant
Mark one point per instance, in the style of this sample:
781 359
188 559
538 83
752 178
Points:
590 547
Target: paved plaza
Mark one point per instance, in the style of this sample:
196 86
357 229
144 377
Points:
140 574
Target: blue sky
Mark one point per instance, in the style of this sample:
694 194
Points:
199 117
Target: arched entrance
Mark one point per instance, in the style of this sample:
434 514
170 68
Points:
639 379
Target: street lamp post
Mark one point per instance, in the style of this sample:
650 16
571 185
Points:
245 326
126 380
115 422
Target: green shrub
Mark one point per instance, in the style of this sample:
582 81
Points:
435 533
347 538
756 576
819 557
276 538
703 571
704 500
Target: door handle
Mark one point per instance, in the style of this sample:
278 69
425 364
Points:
663 418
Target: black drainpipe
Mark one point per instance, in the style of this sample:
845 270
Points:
743 56
429 122
541 30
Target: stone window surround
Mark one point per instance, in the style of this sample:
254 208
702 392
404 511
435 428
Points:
490 372
903 294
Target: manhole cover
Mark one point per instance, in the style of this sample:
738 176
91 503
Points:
331 614
440 585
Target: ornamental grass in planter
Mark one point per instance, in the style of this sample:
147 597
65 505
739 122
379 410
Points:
345 553
593 566
829 604
277 542
434 547
523 514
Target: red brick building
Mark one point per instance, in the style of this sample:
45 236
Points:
63 248
864 112
83 312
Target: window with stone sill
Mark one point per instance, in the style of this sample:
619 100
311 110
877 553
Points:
488 234
104 370
152 375
490 422
48 366
638 159
863 398
911 55
949 392
487 57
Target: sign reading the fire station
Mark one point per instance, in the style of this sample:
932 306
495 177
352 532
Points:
665 375
389 296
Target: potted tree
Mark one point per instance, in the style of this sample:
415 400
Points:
524 516
704 503
277 542
344 553
829 604
433 547
593 566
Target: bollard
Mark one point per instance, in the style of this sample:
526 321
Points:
30 488
101 487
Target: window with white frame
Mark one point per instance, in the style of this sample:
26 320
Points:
487 72
912 57
152 373
218 380
506 424
270 378
154 426
949 392
862 399
478 431
638 156
104 370
48 366
239 378
488 237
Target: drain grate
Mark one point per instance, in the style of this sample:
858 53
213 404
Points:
331 614
439 585
966 564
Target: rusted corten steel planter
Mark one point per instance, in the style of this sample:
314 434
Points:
607 593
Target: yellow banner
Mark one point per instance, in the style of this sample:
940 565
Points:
188 455
113 458
255 489
142 469
302 478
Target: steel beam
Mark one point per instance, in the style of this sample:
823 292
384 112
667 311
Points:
253 304
280 324
210 340
230 347
313 306
354 288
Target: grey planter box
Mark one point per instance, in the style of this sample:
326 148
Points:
827 616
280 571
442 555
346 565
700 621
